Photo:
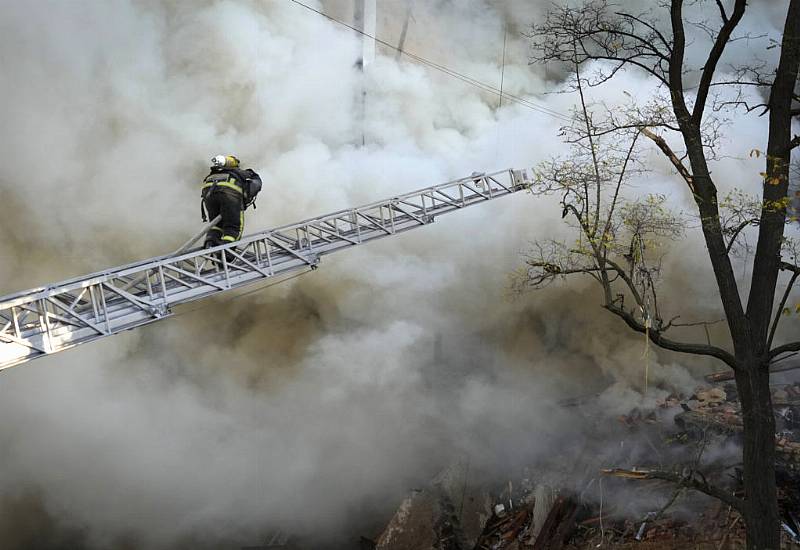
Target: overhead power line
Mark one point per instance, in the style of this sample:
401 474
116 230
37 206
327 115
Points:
442 68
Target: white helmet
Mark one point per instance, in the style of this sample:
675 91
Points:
224 161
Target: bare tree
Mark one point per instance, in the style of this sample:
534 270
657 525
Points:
619 238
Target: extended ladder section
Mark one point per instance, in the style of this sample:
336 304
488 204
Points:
50 319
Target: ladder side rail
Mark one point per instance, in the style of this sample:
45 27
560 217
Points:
136 270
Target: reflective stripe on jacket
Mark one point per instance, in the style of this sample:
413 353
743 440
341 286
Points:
230 184
223 178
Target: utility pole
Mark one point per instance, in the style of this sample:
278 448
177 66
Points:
365 19
402 42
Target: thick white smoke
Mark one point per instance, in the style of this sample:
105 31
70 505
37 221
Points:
318 403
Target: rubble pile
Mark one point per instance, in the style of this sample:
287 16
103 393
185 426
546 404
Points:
537 517
506 529
715 527
570 525
718 410
448 515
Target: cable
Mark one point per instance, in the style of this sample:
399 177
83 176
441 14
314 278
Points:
500 103
469 80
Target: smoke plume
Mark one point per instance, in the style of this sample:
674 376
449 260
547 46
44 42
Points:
312 406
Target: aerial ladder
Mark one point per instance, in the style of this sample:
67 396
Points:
45 320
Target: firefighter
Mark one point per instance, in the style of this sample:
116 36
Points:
227 191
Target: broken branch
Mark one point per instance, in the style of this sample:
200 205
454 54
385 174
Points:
690 482
724 376
673 158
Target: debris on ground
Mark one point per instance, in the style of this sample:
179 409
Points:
450 514
540 516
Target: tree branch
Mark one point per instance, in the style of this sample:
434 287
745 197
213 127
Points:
676 63
649 26
722 11
630 60
551 270
617 189
792 346
658 339
616 127
713 57
593 149
786 266
646 44
626 39
628 282
690 482
786 348
739 229
672 323
779 313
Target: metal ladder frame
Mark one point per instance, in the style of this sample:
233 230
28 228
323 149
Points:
49 319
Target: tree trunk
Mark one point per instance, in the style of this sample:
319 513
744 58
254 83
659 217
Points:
761 505
773 218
